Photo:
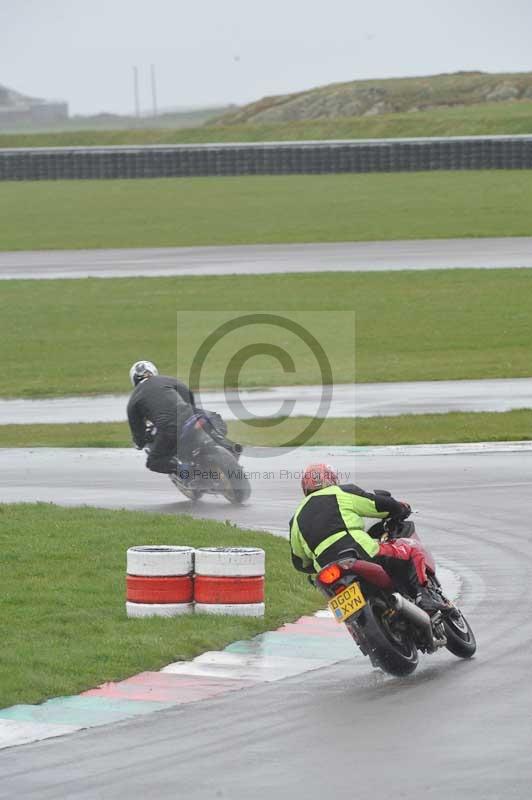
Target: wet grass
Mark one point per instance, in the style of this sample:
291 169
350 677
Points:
405 429
97 434
81 336
63 624
268 209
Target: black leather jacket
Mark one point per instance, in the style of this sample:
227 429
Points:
164 401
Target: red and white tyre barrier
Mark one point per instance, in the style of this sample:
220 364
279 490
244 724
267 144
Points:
230 580
158 609
160 559
159 581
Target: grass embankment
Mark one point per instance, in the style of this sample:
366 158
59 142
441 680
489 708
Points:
376 96
406 429
63 623
485 119
267 209
80 336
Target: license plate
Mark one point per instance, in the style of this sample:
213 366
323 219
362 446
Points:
347 603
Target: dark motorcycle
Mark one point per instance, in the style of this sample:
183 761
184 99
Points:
380 613
213 468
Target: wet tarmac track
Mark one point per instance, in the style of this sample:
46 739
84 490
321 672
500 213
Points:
454 729
489 253
347 400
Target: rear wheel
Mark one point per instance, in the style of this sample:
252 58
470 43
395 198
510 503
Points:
460 638
390 647
230 479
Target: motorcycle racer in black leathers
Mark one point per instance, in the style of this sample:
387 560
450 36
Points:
167 403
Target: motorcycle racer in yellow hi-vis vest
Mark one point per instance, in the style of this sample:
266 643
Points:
330 520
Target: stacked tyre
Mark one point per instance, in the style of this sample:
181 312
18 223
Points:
159 581
229 580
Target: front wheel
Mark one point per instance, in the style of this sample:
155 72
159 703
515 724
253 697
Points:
389 647
460 638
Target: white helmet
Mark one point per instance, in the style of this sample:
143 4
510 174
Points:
141 370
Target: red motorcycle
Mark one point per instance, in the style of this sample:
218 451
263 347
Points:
380 613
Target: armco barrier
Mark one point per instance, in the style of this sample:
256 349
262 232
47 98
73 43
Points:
267 158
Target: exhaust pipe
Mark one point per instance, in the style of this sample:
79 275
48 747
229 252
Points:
412 612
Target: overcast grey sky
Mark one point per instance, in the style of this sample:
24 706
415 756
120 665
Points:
219 51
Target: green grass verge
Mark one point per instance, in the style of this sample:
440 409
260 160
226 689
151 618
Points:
405 429
482 119
82 434
80 336
267 209
63 624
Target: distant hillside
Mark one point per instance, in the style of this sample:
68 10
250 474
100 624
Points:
178 118
20 113
26 115
392 95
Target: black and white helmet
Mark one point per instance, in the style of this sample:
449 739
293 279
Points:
141 370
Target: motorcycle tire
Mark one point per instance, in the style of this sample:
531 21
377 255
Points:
460 638
396 656
233 484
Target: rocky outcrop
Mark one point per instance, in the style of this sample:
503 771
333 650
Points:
370 98
504 91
